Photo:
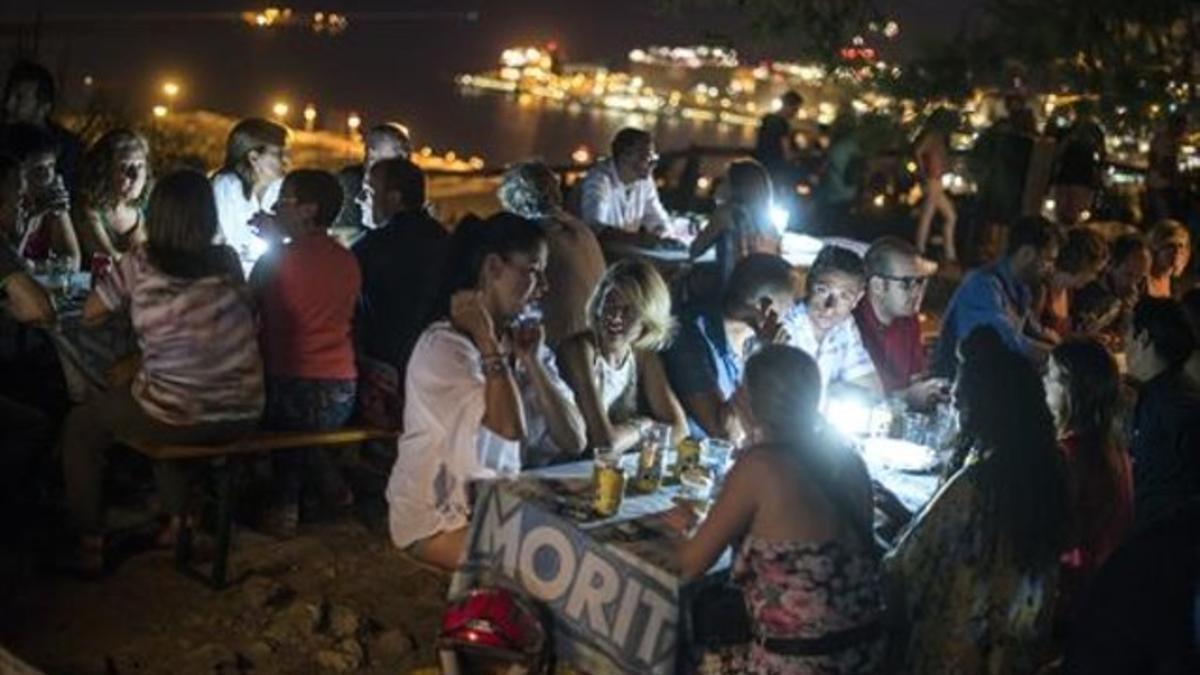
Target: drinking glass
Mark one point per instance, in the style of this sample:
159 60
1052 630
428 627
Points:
608 482
716 454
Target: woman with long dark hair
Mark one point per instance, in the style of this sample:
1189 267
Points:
1083 390
797 509
200 380
482 392
973 579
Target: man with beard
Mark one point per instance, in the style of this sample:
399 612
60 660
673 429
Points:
999 295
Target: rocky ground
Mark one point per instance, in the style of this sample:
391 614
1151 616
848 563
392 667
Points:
337 599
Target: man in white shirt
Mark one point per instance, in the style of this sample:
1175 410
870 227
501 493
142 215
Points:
823 327
619 196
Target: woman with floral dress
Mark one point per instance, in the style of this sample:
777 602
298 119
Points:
797 508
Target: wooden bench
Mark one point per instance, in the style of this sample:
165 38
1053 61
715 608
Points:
225 459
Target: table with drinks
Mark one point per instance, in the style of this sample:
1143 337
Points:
87 352
594 544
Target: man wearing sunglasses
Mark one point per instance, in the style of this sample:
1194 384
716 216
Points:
887 320
619 197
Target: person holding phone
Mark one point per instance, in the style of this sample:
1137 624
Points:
482 395
705 362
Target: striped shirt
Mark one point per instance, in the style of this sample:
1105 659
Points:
198 338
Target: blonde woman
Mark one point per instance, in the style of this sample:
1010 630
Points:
614 364
248 184
114 184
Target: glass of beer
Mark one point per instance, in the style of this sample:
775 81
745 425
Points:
651 457
608 482
688 455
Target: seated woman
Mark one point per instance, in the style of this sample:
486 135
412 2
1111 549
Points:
1083 390
1171 251
482 395
1080 260
615 364
797 506
306 290
200 380
114 186
972 581
45 228
742 225
247 185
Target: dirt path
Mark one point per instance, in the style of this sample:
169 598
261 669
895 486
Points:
337 599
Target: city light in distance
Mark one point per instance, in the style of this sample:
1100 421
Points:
353 122
280 109
170 88
159 111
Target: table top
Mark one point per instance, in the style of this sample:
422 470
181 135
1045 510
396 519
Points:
639 529
566 490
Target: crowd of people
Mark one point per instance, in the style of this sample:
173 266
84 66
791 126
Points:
1067 521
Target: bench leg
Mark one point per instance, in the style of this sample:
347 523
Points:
225 474
225 503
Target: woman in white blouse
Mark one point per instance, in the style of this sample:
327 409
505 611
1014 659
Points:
248 184
482 396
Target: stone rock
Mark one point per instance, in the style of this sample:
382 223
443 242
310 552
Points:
392 645
213 658
299 620
264 592
260 653
345 657
344 622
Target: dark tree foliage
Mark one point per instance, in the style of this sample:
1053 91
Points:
808 29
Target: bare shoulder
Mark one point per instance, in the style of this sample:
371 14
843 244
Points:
759 464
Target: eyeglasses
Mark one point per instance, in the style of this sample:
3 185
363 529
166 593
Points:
907 283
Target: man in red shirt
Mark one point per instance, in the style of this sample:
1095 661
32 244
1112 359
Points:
887 320
306 288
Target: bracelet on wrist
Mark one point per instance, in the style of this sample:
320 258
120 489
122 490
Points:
495 366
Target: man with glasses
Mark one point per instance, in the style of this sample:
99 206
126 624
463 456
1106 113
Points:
619 197
999 295
887 320
822 325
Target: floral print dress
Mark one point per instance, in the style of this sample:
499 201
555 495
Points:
807 590
968 608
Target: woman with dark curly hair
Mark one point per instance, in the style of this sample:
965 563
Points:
973 579
114 187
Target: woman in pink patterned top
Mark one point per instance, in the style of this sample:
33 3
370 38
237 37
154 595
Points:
200 380
798 509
